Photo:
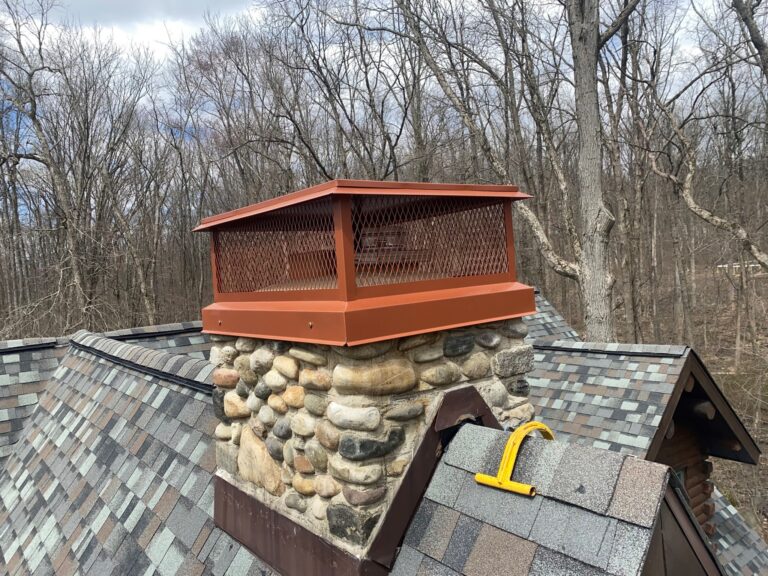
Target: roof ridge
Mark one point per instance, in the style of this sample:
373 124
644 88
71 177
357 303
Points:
177 368
616 348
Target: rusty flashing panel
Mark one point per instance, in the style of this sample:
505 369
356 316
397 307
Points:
350 262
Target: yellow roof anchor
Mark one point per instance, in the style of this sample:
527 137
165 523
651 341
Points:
503 479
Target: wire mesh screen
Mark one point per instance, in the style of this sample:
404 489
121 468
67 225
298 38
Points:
410 238
288 249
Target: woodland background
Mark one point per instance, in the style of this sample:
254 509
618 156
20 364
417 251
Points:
639 126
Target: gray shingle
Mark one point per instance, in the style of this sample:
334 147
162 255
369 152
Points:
445 484
547 562
629 549
637 497
586 477
573 531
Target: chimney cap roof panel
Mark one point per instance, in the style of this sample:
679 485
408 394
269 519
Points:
362 188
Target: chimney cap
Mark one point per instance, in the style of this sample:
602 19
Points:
361 188
355 261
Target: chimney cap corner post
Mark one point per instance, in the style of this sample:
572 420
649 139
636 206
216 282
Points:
351 262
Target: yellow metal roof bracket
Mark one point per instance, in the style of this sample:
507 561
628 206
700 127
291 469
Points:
503 479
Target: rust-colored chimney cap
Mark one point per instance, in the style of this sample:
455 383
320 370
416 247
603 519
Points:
363 187
354 261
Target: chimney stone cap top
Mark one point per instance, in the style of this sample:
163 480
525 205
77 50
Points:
364 187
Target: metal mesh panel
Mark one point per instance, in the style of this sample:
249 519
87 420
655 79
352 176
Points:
288 249
410 238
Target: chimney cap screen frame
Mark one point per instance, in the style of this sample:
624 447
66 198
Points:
353 261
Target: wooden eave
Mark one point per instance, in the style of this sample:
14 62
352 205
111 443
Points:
723 437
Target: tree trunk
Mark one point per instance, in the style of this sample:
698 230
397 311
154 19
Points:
596 221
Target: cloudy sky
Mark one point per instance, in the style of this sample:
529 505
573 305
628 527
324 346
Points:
148 21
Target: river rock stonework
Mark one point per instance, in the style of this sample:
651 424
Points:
324 434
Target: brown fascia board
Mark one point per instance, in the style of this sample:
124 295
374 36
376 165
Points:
750 452
293 550
692 530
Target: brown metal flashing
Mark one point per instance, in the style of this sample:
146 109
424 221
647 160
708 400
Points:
693 533
293 550
748 452
285 545
458 406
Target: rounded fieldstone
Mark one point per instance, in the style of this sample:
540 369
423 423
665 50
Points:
303 485
214 357
223 431
303 424
275 381
318 508
442 374
243 367
488 339
294 396
515 328
287 366
327 434
416 341
364 497
476 366
254 403
267 415
458 344
282 428
388 377
326 486
365 351
427 355
217 399
234 405
396 467
516 386
353 418
277 404
353 525
517 359
242 389
256 465
261 360
308 356
298 442
226 378
278 346
312 379
288 453
316 455
296 502
228 354
246 345
357 447
353 472
262 391
275 448
257 426
405 411
302 464
495 394
315 404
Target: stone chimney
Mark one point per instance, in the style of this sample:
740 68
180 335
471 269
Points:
388 312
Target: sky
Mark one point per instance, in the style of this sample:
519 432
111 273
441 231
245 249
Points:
148 22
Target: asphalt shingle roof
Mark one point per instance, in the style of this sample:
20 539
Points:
609 396
739 548
547 325
115 473
589 517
